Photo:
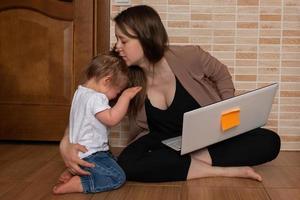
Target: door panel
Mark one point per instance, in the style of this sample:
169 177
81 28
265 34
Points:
44 47
36 56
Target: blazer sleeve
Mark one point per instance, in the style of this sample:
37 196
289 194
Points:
216 72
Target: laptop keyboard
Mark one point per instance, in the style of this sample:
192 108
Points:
174 143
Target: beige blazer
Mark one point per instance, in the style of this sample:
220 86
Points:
203 76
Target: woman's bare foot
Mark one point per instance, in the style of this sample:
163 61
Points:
199 169
243 172
65 176
73 185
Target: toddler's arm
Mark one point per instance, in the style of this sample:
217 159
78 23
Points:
114 115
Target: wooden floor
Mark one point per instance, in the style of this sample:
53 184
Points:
29 170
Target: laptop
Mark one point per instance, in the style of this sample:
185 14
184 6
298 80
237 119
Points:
224 119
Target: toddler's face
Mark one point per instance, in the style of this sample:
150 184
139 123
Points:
113 92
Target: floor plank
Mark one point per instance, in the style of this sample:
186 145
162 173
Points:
224 193
144 192
280 176
29 171
284 194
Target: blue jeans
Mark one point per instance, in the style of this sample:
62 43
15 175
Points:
106 175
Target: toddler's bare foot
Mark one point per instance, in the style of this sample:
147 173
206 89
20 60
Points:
65 176
73 185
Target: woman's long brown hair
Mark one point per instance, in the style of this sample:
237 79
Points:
137 77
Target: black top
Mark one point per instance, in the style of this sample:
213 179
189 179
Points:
168 123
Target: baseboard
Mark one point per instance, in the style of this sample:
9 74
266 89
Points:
290 146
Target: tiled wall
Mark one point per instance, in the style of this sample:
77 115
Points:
259 40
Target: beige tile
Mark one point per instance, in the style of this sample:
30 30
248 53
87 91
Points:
223 32
266 10
247 2
291 18
291 3
178 2
149 2
290 79
289 108
200 32
289 115
176 8
291 41
201 24
291 10
248 10
178 24
201 40
290 86
204 8
246 40
224 40
291 25
270 3
201 2
269 48
247 18
290 56
270 17
223 47
268 78
270 32
290 123
290 93
272 123
223 9
245 77
270 25
291 33
178 16
291 49
268 71
245 71
246 55
246 48
246 62
247 25
224 17
290 63
246 33
289 100
291 130
269 56
195 16
223 25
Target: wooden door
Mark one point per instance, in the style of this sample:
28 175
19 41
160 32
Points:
44 46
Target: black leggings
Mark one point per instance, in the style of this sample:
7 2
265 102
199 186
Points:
148 160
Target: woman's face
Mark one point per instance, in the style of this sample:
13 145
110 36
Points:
130 49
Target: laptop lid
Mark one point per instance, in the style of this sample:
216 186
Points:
225 119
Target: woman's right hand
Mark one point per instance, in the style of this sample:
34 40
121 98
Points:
69 153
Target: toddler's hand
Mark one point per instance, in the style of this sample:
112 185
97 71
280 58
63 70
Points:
131 92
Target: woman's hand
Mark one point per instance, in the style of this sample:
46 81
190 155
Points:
69 153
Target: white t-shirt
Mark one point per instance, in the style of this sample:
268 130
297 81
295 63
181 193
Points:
84 127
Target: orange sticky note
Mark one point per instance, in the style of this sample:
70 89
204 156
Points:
230 118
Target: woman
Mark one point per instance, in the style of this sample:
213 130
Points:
175 79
